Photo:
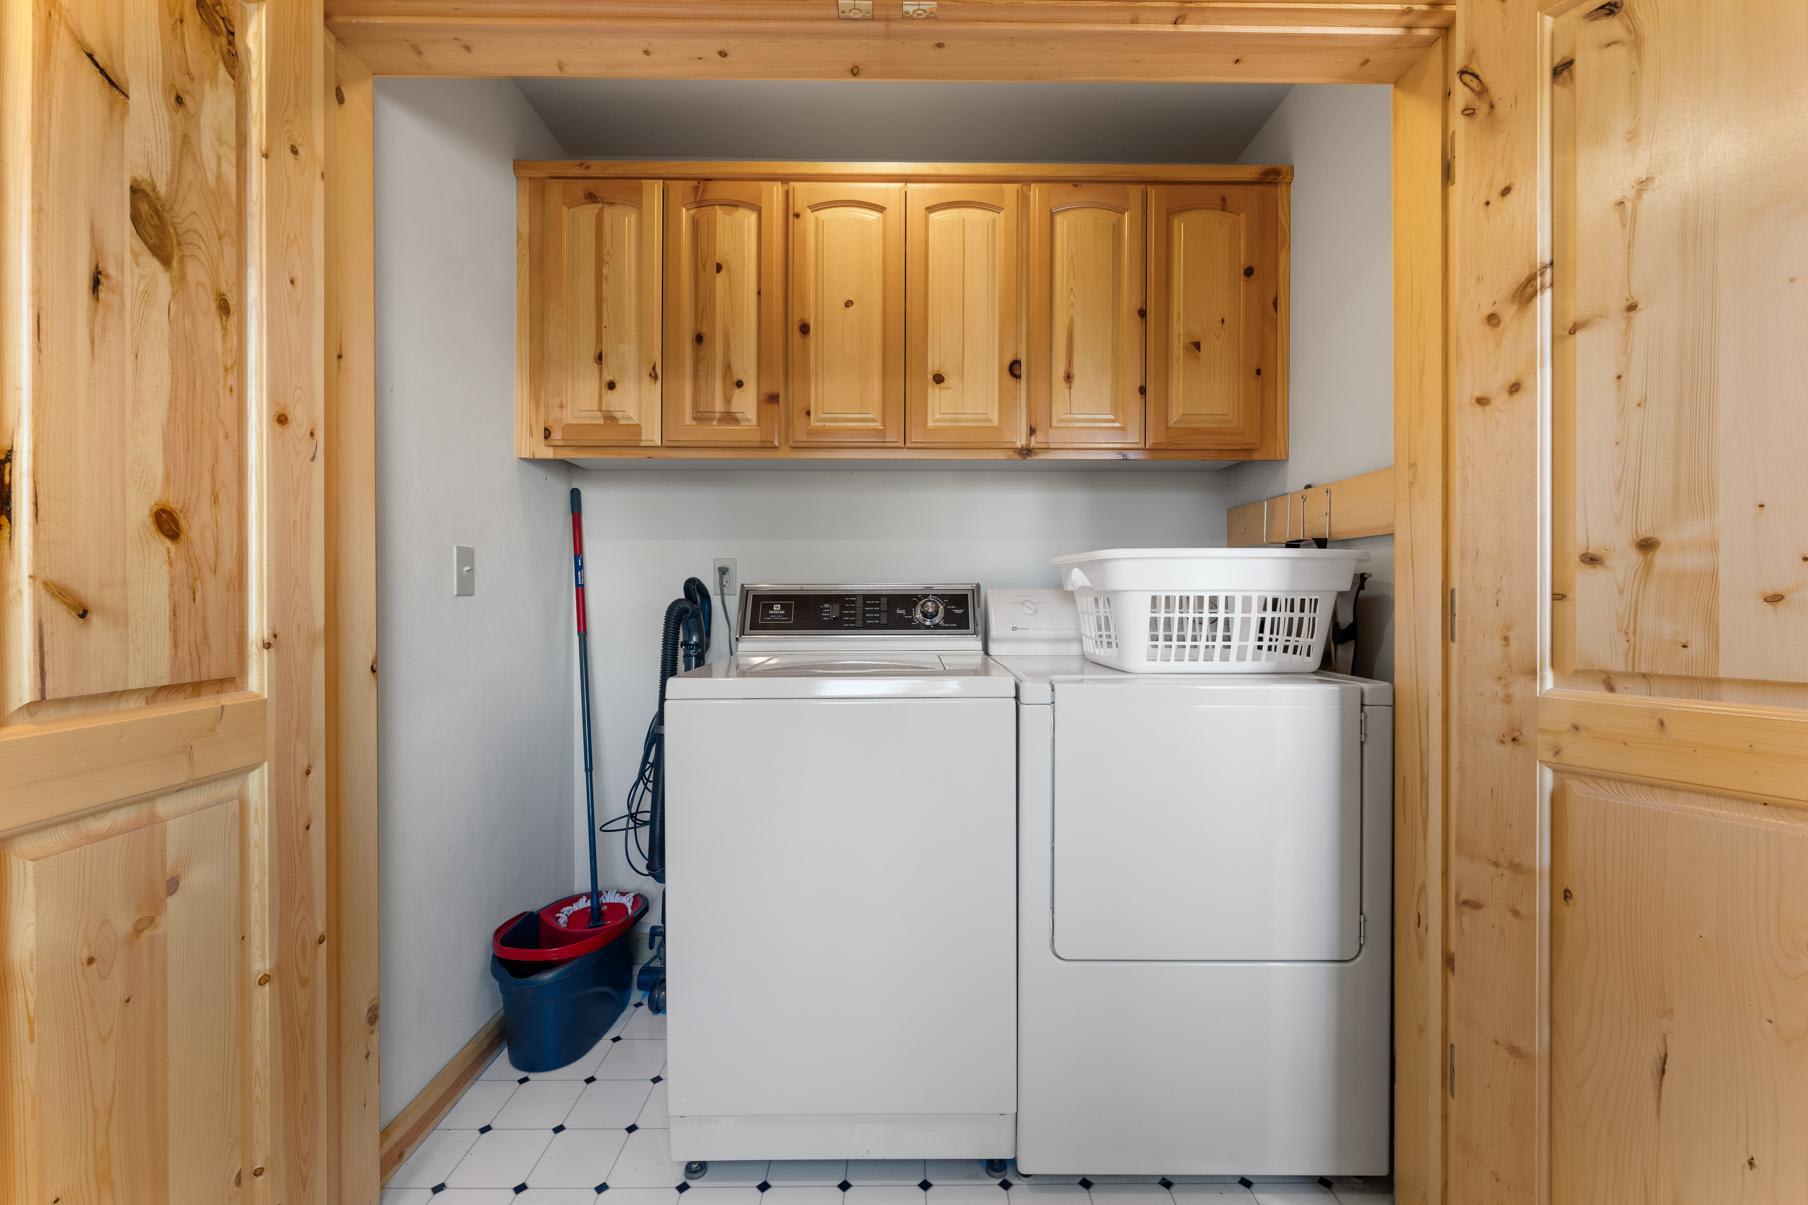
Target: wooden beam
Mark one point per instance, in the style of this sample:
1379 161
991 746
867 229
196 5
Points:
1270 44
418 1117
1340 510
793 171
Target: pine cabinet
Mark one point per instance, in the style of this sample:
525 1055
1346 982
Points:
847 314
964 305
885 311
590 297
1086 314
724 306
1217 355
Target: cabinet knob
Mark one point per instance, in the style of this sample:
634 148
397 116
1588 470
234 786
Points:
1016 370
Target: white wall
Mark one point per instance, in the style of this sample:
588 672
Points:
646 531
476 693
1341 353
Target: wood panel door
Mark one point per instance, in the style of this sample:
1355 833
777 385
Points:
964 306
847 314
724 308
164 957
1217 298
589 278
1086 314
1629 758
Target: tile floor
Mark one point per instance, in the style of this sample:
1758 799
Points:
597 1127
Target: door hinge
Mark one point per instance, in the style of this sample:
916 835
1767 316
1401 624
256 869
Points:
1362 929
1362 727
919 9
1450 1069
1453 614
854 10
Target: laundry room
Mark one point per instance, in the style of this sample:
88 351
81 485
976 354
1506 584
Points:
484 748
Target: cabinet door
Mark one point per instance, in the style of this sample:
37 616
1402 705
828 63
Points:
591 298
964 383
723 307
1086 315
847 314
1217 289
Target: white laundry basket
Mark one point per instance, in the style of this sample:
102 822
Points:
1207 610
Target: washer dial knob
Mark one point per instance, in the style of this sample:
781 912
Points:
930 612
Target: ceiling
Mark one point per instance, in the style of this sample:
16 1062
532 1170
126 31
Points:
937 122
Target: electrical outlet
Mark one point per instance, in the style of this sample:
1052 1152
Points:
727 580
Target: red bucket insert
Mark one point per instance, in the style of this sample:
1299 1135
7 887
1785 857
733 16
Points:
565 931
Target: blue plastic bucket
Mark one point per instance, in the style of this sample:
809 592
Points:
552 1014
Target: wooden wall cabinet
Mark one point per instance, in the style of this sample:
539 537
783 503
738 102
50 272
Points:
1086 315
1217 316
941 311
964 308
724 305
589 296
847 314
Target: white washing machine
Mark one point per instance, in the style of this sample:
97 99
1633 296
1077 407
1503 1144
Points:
1205 913
841 802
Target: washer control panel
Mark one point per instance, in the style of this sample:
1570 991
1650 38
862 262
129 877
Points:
859 610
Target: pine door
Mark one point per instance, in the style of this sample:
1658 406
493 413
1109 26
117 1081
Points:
1086 313
164 953
724 305
1629 759
964 301
847 314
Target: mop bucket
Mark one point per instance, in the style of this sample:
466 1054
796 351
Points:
563 981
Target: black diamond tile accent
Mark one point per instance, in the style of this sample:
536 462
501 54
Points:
1246 1182
1167 1183
522 1080
616 1038
483 1129
602 1188
656 1079
520 1188
438 1188
924 1184
763 1185
683 1187
1087 1184
1324 1182
640 1004
559 1129
844 1186
590 1079
1005 1184
632 1127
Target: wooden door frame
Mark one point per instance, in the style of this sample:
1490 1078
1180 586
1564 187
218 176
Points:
1405 45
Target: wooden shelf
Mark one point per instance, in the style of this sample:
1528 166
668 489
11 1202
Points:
1342 510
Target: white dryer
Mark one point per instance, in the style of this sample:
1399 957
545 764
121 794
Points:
841 842
1205 908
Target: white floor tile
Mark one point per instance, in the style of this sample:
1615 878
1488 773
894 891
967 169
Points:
1216 1192
434 1159
985 1193
609 1104
800 1194
578 1159
958 1171
885 1171
732 1172
1054 1189
501 1068
633 1058
1295 1192
474 1196
405 1196
1129 1194
500 1159
720 1194
656 1115
644 1023
807 1171
479 1105
557 1196
538 1105
640 1196
645 1162
886 1194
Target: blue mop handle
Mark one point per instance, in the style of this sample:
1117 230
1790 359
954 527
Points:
577 565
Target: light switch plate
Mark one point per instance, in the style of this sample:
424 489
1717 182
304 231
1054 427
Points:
464 570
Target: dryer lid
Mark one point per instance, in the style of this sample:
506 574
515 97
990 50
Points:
861 674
